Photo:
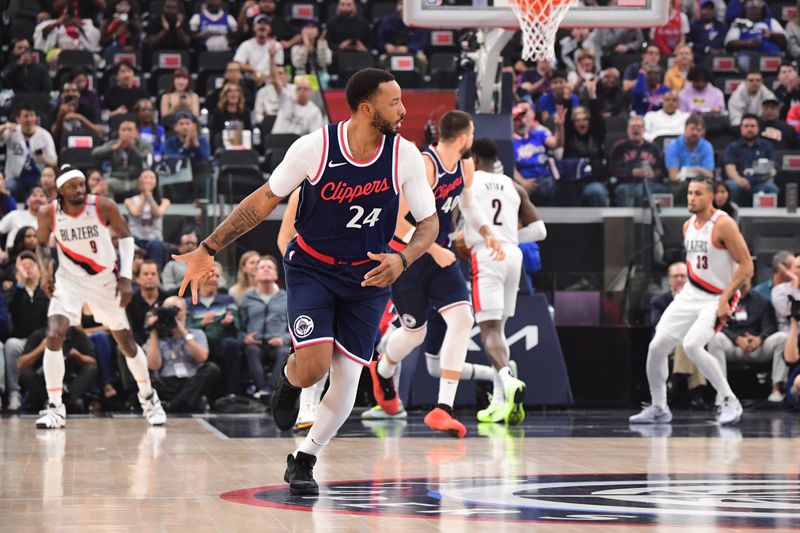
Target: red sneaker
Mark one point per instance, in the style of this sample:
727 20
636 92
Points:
384 391
441 420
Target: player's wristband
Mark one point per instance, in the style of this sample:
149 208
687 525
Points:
212 252
403 259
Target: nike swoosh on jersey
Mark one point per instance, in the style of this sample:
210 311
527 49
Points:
331 164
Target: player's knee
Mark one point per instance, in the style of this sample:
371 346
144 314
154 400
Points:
459 318
128 347
434 367
660 344
308 375
693 347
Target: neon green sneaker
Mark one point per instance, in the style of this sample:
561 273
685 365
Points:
515 395
496 412
376 413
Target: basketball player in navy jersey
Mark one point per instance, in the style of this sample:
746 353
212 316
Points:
436 280
338 267
82 225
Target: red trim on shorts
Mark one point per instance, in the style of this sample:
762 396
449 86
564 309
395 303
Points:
319 256
452 305
351 356
324 156
476 294
701 283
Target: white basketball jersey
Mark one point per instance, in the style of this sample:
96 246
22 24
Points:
497 196
84 241
710 268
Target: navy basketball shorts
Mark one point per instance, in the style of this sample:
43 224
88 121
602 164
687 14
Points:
424 285
326 303
434 336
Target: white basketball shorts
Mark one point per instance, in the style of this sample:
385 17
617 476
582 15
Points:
97 291
495 283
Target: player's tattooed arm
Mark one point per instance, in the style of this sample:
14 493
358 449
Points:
247 215
423 237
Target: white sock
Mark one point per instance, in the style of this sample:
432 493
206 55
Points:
447 391
53 366
505 377
498 392
138 367
336 406
385 368
477 372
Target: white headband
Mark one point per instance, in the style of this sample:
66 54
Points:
65 177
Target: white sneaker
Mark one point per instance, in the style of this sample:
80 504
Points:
306 416
775 396
52 418
652 414
730 412
14 401
153 410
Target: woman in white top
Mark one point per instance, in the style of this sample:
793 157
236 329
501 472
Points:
146 214
246 277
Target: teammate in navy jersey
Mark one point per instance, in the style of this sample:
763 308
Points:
435 280
338 267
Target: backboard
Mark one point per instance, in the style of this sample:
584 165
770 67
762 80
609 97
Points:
497 13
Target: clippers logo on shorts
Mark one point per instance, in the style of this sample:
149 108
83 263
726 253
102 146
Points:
710 267
84 240
446 191
350 207
692 501
303 326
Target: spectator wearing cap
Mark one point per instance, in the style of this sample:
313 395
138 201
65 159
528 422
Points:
188 141
312 55
742 162
669 120
782 135
150 132
560 93
256 55
651 55
213 28
700 95
21 74
168 32
748 98
394 37
180 96
707 34
297 113
648 93
121 98
347 30
755 33
282 28
128 156
29 148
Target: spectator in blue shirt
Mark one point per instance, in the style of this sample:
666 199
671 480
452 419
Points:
648 93
745 167
532 141
560 93
636 71
188 141
150 132
689 156
707 34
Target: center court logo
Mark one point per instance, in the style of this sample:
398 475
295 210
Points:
711 500
303 326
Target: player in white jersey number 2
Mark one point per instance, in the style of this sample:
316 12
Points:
82 225
512 218
719 263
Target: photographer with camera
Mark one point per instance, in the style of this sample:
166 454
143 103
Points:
787 288
749 162
178 358
791 355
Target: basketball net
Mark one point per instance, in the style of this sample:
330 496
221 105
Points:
539 21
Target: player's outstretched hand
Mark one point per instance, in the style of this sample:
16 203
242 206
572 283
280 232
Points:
124 291
498 254
383 275
199 267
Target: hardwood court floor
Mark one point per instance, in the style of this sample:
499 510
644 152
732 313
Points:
567 472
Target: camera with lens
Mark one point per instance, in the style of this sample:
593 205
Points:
166 321
794 308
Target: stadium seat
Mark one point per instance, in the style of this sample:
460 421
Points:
22 28
406 70
82 138
444 70
348 63
77 157
298 11
167 61
722 64
212 64
239 173
266 125
377 10
114 56
787 164
275 147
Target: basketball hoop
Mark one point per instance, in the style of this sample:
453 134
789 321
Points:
539 21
